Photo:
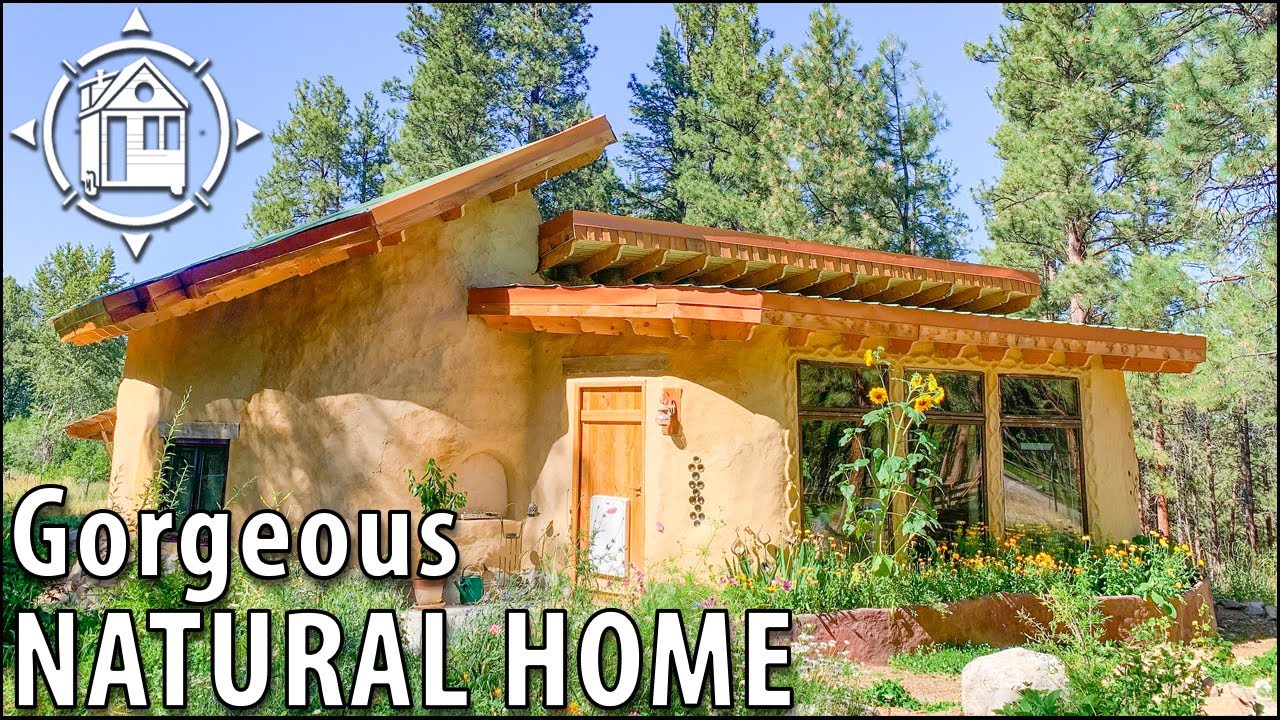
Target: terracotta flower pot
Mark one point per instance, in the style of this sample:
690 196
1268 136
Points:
428 593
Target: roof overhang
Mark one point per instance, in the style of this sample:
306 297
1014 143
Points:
360 231
617 250
727 314
100 427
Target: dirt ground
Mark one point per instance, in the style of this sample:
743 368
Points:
1250 636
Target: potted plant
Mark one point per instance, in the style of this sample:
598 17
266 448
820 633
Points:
435 491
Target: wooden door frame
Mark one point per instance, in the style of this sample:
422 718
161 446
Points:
575 387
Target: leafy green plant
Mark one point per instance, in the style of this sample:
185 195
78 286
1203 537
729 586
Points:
435 490
1039 703
891 693
940 659
887 490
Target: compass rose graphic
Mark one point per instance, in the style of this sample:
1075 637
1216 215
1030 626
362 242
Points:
133 132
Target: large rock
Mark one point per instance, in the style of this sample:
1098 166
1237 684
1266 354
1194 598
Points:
1256 609
992 681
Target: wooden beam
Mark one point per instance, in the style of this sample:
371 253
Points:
724 274
896 290
1035 357
957 299
761 278
558 256
684 269
643 266
453 213
798 337
987 300
927 295
830 287
600 261
798 282
865 286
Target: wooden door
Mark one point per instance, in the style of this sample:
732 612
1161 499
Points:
610 433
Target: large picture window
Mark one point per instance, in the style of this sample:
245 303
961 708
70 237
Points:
195 477
1043 470
832 401
957 427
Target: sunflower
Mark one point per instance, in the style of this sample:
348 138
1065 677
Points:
878 396
923 403
869 358
916 382
932 383
939 396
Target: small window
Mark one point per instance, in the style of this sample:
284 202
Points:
832 401
829 387
172 133
1039 397
194 477
150 133
957 427
1043 460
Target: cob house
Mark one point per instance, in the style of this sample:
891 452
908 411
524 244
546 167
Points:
659 384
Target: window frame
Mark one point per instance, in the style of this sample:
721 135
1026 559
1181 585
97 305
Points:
806 413
199 475
1033 421
978 420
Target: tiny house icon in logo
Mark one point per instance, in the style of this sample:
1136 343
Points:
147 107
133 132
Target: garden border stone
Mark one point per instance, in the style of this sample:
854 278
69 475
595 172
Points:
873 635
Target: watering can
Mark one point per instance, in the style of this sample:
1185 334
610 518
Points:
470 587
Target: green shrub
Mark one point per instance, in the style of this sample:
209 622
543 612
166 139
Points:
1248 577
940 659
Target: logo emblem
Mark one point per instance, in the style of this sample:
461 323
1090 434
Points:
133 123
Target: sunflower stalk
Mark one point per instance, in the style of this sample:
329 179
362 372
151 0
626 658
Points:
888 489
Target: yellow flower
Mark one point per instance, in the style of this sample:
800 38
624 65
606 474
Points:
1084 538
497 692
939 396
466 677
915 381
573 709
878 396
923 403
932 383
869 358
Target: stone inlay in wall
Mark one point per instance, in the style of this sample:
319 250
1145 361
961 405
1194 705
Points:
696 484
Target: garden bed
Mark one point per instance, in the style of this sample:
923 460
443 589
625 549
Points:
873 635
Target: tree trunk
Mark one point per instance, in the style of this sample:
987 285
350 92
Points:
1245 495
1159 441
1212 488
1078 312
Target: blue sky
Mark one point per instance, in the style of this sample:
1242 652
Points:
259 52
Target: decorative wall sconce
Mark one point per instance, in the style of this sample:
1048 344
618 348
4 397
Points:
668 419
696 484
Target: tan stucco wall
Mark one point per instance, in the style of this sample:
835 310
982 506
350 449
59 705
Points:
738 416
342 380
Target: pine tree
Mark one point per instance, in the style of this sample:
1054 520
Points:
724 156
652 155
919 211
491 77
829 108
452 95
367 152
543 55
1077 197
307 179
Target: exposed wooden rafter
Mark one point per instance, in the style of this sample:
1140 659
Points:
719 313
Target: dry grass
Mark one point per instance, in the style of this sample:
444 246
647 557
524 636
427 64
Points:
82 498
